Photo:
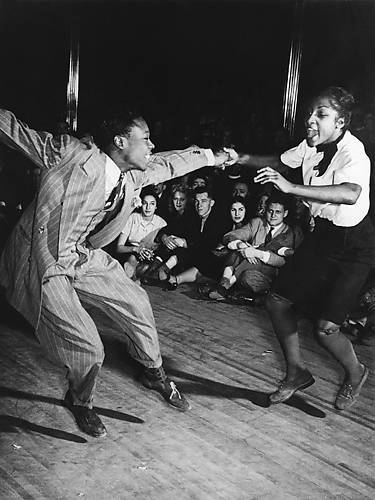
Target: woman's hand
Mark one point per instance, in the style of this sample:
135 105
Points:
268 174
144 253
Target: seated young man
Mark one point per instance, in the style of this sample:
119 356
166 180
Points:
207 229
258 250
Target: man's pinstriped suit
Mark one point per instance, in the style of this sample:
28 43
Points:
53 264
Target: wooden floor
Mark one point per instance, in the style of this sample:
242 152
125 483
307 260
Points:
230 445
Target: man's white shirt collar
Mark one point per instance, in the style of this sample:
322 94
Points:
112 175
275 229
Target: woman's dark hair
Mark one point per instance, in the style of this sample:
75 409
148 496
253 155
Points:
149 191
243 201
238 199
342 101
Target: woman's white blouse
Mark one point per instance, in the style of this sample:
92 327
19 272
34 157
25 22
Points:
350 164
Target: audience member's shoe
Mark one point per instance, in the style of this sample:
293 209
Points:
156 379
141 269
286 389
151 277
204 289
225 283
164 272
170 285
240 298
86 418
348 394
219 294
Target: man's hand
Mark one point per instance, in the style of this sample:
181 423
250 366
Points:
225 157
243 159
250 253
180 242
268 174
169 242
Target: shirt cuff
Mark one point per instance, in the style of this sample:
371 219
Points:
232 245
210 157
266 256
285 251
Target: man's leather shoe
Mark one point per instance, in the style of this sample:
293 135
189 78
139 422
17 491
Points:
170 285
156 379
86 418
286 389
348 394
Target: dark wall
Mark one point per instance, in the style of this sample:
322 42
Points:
179 58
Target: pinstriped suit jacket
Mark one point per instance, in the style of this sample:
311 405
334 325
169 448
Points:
255 231
71 198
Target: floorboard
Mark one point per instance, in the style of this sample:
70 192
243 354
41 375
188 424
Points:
230 445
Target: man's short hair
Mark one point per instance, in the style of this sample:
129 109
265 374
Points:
280 198
116 124
204 189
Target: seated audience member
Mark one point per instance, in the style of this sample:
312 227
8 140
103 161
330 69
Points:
261 204
258 250
136 243
241 188
162 194
238 212
360 323
238 216
207 231
174 237
198 179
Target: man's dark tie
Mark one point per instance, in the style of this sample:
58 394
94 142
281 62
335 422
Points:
329 150
269 236
116 193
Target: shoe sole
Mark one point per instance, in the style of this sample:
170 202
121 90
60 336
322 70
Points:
299 388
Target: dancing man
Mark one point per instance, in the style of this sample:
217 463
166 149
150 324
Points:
53 268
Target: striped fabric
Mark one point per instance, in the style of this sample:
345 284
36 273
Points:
51 272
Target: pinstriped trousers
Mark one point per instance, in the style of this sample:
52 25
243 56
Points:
69 334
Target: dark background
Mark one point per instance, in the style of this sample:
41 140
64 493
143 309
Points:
177 60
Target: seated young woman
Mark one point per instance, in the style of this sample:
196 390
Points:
136 243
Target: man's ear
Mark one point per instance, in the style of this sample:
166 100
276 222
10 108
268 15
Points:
286 213
120 141
212 203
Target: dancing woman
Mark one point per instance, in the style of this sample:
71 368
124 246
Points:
334 260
